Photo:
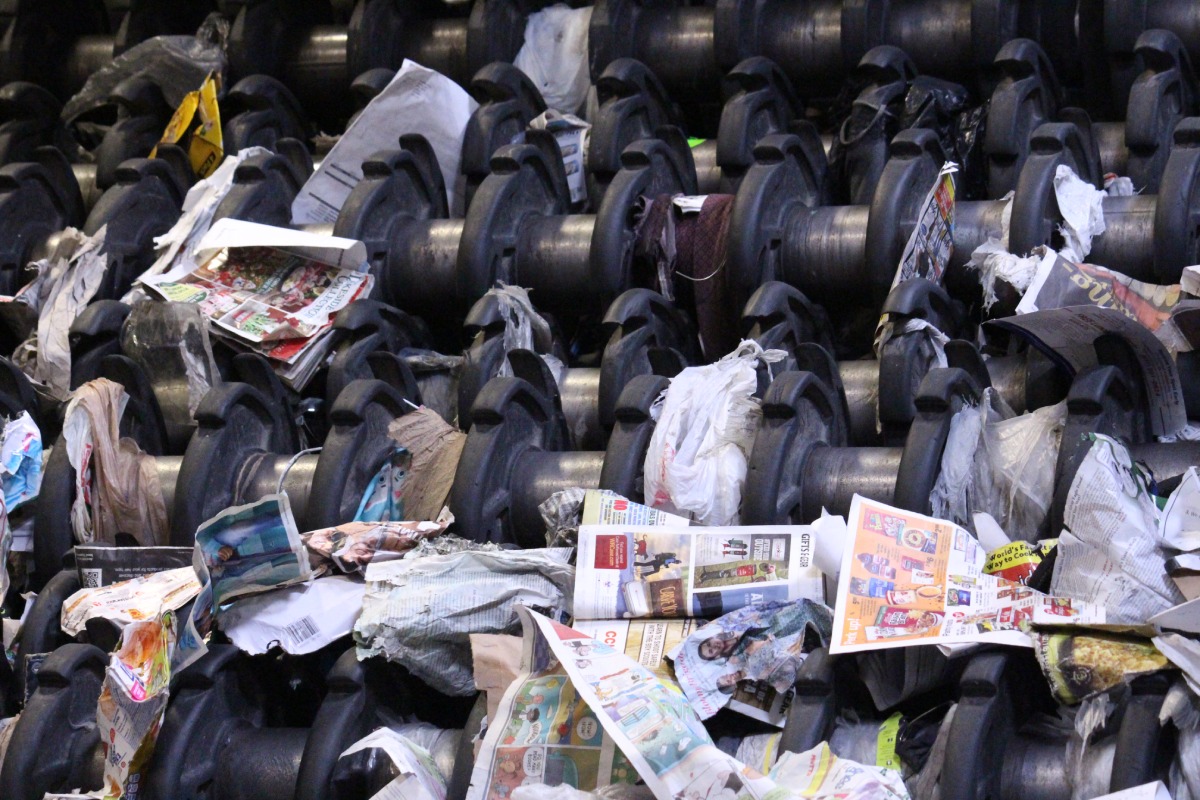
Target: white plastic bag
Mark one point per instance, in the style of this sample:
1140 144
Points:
1082 209
555 55
707 419
1001 465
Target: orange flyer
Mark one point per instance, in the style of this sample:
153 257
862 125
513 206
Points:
910 579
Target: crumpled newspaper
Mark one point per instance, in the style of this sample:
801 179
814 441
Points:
117 488
420 611
563 513
1109 553
140 598
749 659
706 420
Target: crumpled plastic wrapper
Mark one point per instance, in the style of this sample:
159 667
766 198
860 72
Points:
176 64
1082 209
1081 665
66 282
421 611
523 327
119 490
698 456
437 376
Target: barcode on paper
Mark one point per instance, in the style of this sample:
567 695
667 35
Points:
301 630
91 578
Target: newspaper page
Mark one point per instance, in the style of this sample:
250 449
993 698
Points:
1110 552
928 251
420 611
910 579
265 284
243 550
646 641
1064 284
649 723
1067 336
141 598
605 507
543 732
749 660
176 249
417 100
626 572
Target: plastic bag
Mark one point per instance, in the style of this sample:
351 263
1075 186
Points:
176 64
706 421
523 327
170 342
1000 464
555 55
1082 209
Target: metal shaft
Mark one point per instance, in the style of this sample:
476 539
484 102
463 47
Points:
861 382
316 72
677 45
805 39
553 259
1127 244
539 475
824 251
423 275
580 393
833 475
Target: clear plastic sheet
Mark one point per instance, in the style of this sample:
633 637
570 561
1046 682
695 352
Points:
170 342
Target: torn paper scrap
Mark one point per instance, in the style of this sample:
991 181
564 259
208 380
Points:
142 598
298 619
419 778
